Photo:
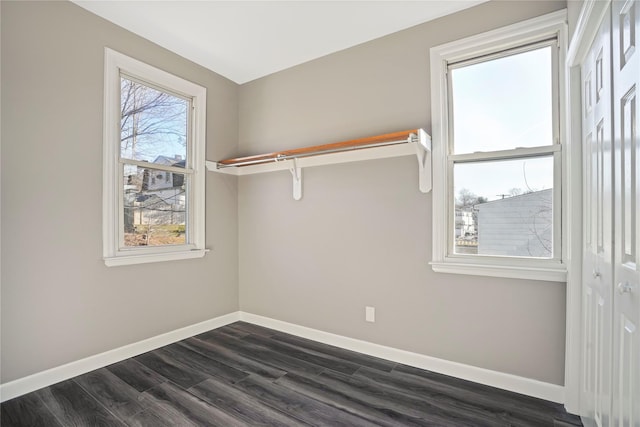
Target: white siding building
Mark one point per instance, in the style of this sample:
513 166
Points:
517 226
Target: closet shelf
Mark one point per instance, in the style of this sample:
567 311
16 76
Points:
411 142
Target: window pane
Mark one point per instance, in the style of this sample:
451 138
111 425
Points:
504 208
154 207
153 124
503 103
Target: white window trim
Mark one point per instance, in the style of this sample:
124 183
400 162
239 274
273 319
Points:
530 31
114 64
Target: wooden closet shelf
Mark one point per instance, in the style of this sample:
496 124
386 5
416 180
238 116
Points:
405 143
353 144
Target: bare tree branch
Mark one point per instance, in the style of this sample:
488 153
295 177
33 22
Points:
150 118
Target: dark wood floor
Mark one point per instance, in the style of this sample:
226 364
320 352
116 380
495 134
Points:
246 375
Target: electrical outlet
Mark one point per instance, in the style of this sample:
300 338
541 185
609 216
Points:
370 314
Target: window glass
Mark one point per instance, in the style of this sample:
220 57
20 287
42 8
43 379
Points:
503 103
504 208
154 129
154 209
153 124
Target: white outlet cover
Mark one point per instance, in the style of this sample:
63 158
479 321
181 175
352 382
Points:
370 314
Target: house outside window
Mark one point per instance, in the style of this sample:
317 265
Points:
154 143
497 109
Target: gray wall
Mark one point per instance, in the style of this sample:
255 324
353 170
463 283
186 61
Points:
59 301
362 233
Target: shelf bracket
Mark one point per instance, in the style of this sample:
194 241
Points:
423 153
296 173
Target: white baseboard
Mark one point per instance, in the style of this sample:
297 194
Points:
530 387
60 373
517 384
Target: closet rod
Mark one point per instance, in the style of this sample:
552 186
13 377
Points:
355 144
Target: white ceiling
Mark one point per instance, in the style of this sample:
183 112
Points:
245 40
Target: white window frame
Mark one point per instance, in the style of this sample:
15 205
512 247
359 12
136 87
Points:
535 30
115 65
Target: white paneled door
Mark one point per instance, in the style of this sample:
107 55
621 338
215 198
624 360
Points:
611 273
625 22
598 252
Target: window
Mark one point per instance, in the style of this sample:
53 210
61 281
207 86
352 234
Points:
154 142
498 160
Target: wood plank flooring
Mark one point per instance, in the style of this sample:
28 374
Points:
247 375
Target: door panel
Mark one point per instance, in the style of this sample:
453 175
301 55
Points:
626 345
625 393
598 228
589 251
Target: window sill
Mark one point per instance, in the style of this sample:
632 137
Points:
157 257
557 273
